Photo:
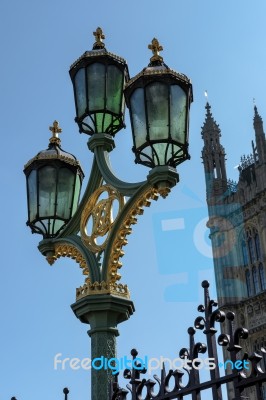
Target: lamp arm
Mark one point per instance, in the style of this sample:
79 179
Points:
103 161
101 144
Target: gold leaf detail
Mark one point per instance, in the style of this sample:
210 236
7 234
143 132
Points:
68 250
101 214
125 230
102 288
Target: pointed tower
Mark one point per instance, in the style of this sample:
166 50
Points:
213 156
237 223
260 137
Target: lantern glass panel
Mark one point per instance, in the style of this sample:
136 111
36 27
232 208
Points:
178 113
80 88
76 194
105 121
65 188
56 226
32 193
138 116
114 85
96 86
47 191
160 155
146 154
158 110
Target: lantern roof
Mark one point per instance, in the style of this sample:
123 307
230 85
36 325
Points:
98 51
54 150
157 68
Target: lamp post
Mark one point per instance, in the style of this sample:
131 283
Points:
158 99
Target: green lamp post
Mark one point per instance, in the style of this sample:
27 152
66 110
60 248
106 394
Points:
158 100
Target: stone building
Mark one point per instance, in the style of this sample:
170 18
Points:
237 223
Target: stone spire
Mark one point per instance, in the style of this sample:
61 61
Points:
210 125
260 136
213 154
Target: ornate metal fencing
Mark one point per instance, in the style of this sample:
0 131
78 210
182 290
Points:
245 379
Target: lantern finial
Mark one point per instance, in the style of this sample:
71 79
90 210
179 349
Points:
55 129
155 47
99 36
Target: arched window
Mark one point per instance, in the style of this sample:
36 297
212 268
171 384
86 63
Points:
244 253
256 280
248 282
251 249
262 277
257 245
252 259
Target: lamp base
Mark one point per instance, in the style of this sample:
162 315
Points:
163 178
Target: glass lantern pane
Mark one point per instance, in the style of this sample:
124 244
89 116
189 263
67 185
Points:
76 194
88 124
138 116
174 152
47 190
98 122
80 88
32 193
44 225
114 89
56 226
157 106
106 122
96 86
178 114
146 154
159 154
65 189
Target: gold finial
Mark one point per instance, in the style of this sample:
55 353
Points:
156 48
55 129
99 36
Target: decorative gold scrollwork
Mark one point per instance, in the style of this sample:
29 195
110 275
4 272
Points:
68 250
101 214
136 209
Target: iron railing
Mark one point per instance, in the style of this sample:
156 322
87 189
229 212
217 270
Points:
245 379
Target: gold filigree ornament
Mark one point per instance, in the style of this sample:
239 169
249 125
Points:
136 209
99 215
68 250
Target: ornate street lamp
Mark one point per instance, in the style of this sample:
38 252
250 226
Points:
158 99
54 180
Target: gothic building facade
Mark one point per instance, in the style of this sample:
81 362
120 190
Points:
237 223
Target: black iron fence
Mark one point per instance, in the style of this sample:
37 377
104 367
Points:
244 381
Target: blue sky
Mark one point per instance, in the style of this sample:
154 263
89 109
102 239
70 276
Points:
221 47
